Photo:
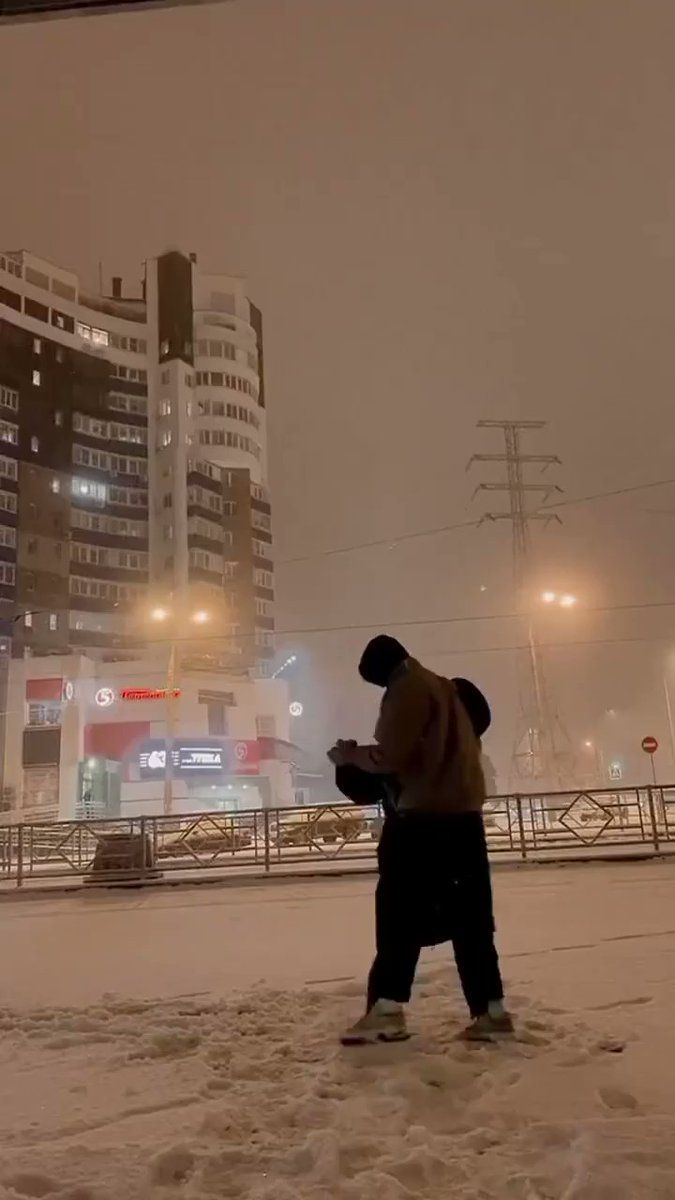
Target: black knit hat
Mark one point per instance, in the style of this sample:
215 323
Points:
380 659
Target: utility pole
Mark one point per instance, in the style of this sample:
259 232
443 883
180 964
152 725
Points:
541 753
171 694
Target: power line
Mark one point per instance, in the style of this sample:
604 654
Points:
365 627
437 530
388 541
466 651
621 641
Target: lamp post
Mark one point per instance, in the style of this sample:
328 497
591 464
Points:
545 736
598 756
669 715
162 615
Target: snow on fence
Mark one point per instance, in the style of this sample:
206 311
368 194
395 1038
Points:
546 826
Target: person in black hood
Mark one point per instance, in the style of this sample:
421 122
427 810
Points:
434 876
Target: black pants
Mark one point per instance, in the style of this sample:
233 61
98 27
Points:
434 886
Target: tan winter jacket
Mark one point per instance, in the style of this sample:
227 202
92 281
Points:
425 737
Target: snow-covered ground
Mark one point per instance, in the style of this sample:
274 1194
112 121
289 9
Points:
182 1044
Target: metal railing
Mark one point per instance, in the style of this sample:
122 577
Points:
306 840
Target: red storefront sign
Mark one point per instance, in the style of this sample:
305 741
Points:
148 693
114 739
244 757
44 689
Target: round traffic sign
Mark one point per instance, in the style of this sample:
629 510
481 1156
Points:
650 745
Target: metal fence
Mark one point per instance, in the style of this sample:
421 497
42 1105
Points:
306 840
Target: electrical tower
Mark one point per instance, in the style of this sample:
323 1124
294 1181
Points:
541 754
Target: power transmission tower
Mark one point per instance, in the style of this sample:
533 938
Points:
541 753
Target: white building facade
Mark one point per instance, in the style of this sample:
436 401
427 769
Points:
133 481
87 740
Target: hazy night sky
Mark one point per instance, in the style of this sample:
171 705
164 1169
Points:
447 209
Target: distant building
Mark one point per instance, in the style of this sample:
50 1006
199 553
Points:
85 739
133 460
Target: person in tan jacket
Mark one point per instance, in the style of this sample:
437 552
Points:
432 857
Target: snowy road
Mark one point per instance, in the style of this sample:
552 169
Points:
181 1043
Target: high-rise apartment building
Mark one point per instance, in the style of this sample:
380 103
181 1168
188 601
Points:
133 460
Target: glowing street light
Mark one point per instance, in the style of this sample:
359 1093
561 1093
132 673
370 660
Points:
160 615
562 600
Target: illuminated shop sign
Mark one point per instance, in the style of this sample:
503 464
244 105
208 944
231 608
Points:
106 696
199 756
148 693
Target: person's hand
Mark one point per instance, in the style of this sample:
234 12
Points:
339 754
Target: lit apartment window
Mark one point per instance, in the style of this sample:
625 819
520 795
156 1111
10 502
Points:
28 620
37 379
9 433
92 489
55 486
58 417
53 621
34 445
37 346
9 398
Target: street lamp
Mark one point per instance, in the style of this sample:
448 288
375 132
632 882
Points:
561 599
160 614
669 713
598 756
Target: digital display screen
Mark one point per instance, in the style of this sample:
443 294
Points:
198 756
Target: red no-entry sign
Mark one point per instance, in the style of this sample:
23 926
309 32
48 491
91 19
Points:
650 745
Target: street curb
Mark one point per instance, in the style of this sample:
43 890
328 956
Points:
63 890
